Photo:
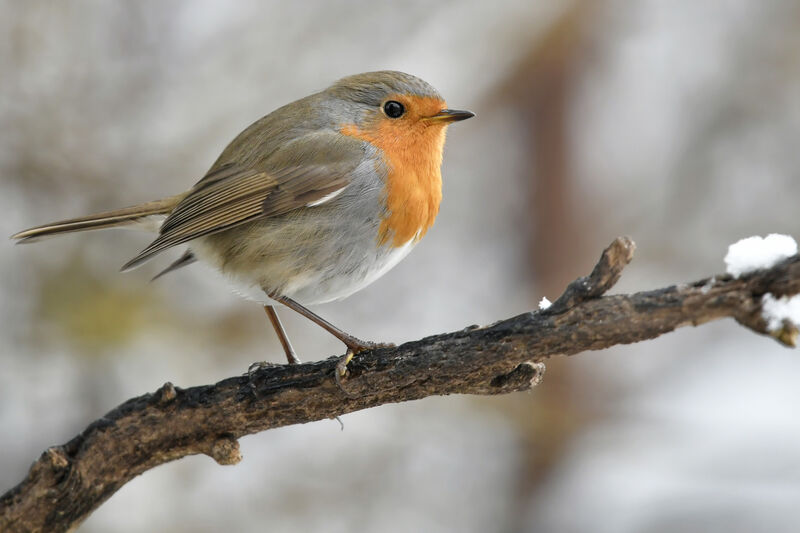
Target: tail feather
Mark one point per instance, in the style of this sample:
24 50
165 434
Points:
185 260
107 219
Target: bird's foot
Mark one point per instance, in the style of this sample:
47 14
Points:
354 346
259 365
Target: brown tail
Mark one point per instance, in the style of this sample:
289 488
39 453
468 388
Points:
108 219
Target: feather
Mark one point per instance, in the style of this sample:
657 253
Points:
185 260
107 219
231 196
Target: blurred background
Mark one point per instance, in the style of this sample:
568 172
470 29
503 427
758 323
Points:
673 122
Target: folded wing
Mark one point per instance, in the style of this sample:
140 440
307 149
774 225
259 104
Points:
230 195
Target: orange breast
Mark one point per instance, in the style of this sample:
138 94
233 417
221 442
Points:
412 152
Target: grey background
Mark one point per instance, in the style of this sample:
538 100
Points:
673 122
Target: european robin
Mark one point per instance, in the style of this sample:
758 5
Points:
310 203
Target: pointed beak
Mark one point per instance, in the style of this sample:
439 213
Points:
450 115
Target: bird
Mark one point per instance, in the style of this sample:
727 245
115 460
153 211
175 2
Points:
309 204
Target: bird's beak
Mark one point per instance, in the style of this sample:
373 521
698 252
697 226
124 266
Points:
450 115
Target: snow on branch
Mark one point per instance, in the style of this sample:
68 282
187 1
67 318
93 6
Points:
67 482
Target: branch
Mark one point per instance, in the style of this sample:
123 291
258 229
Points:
69 481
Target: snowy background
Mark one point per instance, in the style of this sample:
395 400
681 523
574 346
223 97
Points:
676 123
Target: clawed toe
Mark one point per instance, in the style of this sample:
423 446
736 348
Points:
259 365
358 346
341 366
355 346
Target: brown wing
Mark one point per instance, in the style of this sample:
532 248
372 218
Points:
229 196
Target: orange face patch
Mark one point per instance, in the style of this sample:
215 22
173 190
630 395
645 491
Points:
412 149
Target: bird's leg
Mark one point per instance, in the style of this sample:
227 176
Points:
354 344
287 346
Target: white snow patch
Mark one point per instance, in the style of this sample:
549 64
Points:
544 303
705 289
754 253
776 310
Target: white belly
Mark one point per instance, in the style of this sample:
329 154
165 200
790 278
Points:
314 285
313 255
318 290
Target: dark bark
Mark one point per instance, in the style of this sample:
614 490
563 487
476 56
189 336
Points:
69 481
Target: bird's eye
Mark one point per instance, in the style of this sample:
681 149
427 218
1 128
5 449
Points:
393 109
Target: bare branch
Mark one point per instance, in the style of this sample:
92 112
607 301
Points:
68 482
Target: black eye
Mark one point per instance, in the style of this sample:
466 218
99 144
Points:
393 109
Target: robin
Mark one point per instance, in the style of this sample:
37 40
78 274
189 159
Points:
310 203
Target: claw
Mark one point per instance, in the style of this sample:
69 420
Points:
341 370
258 365
341 366
355 346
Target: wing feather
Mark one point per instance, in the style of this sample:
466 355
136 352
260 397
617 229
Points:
230 196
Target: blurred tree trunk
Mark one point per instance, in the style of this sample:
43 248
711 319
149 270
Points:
540 90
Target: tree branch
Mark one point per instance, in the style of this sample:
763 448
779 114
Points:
69 481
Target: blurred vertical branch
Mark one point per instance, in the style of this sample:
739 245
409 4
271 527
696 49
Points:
541 90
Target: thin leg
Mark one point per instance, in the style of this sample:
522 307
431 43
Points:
287 346
353 344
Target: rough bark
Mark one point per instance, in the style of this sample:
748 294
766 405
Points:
68 482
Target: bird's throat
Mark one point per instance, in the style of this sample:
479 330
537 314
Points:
412 157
